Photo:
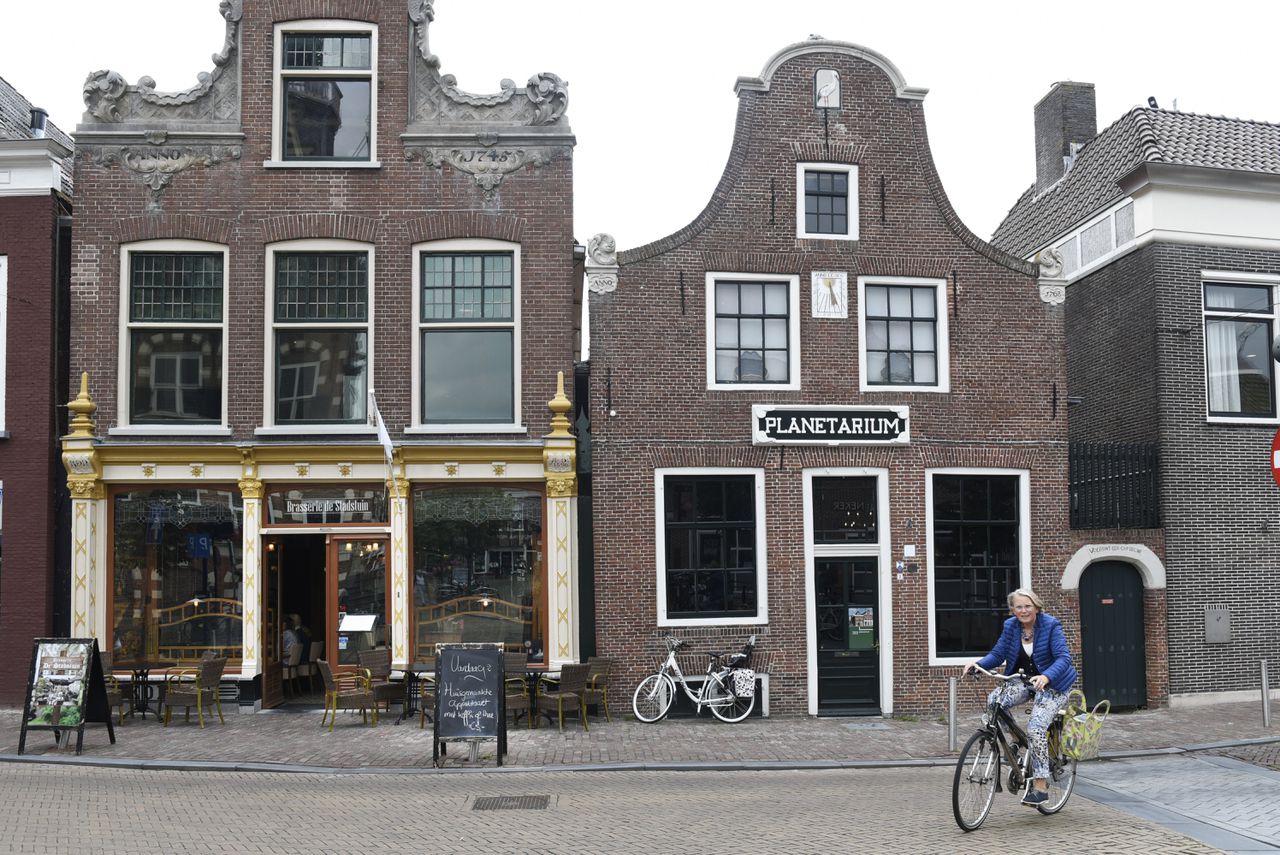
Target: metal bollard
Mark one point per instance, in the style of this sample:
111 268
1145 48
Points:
951 714
1266 696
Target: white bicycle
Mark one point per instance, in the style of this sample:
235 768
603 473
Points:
655 694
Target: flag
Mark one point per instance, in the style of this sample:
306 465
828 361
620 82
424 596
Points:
375 418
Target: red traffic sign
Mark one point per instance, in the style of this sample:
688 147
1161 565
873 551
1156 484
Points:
1275 457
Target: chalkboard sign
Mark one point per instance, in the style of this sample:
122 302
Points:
65 689
470 700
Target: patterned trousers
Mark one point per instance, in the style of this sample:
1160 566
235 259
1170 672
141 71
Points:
1048 702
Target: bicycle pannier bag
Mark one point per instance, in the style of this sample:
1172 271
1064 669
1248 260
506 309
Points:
742 682
1082 727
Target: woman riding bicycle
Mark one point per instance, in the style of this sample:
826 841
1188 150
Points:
1033 642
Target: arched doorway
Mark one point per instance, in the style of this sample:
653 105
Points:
1113 634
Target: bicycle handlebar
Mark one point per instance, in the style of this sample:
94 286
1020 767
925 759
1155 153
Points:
1019 675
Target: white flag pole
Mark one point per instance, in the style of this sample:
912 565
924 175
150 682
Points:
384 438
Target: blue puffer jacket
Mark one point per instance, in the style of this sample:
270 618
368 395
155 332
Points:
1050 652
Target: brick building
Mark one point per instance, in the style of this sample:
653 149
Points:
825 412
325 215
1166 228
35 230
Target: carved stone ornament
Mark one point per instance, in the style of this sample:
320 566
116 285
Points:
488 166
561 488
1050 261
603 250
214 99
250 488
602 283
1054 295
435 98
156 167
559 461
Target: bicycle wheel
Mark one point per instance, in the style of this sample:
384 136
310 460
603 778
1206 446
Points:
653 697
1062 773
977 776
725 705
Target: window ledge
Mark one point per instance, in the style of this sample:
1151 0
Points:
943 389
169 430
290 430
753 387
1269 421
465 428
806 236
754 620
4 434
322 164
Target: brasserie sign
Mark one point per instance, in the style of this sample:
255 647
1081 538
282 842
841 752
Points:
328 506
829 425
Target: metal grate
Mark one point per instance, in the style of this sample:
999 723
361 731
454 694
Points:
511 803
1114 485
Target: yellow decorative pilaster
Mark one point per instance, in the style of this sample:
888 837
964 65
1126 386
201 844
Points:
398 498
88 519
559 467
251 545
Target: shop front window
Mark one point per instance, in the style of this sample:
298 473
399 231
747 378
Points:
177 575
477 568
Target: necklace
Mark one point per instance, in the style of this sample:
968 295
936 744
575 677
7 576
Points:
1028 634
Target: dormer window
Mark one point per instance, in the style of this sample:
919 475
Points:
325 93
827 201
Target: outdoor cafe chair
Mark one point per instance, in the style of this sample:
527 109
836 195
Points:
194 687
596 692
377 663
567 695
515 666
349 690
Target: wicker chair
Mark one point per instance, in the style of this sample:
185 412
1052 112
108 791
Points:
567 695
517 698
289 666
597 691
377 663
194 687
308 668
427 693
115 695
349 690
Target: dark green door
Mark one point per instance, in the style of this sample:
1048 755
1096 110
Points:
848 636
1111 634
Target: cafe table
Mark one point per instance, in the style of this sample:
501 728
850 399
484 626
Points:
141 669
414 674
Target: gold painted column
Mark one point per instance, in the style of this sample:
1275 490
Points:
402 651
88 521
559 460
251 551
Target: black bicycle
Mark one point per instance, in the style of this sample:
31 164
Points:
978 776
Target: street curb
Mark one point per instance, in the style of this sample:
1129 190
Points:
632 766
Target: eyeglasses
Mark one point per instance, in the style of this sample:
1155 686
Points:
1023 608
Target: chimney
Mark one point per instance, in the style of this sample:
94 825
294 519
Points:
39 118
1066 117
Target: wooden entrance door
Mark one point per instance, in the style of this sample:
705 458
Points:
359 593
272 626
1114 650
848 636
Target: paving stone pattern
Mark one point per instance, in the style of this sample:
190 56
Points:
297 738
111 811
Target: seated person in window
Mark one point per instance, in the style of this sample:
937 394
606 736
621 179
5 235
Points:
296 633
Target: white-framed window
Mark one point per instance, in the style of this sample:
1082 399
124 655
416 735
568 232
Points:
753 331
319 320
978 525
466 344
827 201
1239 325
903 334
4 344
325 94
710 547
173 354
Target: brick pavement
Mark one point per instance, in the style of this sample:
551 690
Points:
113 811
295 738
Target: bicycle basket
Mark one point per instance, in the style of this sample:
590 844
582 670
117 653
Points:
1082 727
742 682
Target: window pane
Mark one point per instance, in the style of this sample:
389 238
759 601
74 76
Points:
326 118
322 286
877 300
315 50
470 286
753 341
826 202
321 376
710 529
478 574
173 546
900 302
877 335
776 367
726 366
752 295
775 299
899 335
726 332
175 376
174 286
726 298
775 333
877 367
922 336
924 367
468 376
751 331
1237 298
1238 360
923 302
844 510
751 366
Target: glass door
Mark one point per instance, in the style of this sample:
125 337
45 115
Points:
848 637
357 570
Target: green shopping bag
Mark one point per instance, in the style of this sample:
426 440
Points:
1082 727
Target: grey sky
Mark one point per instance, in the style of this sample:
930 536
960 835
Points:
651 84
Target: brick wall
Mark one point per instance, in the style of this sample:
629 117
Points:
240 203
648 358
28 461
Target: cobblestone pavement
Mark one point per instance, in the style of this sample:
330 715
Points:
111 811
296 738
1219 800
1266 755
